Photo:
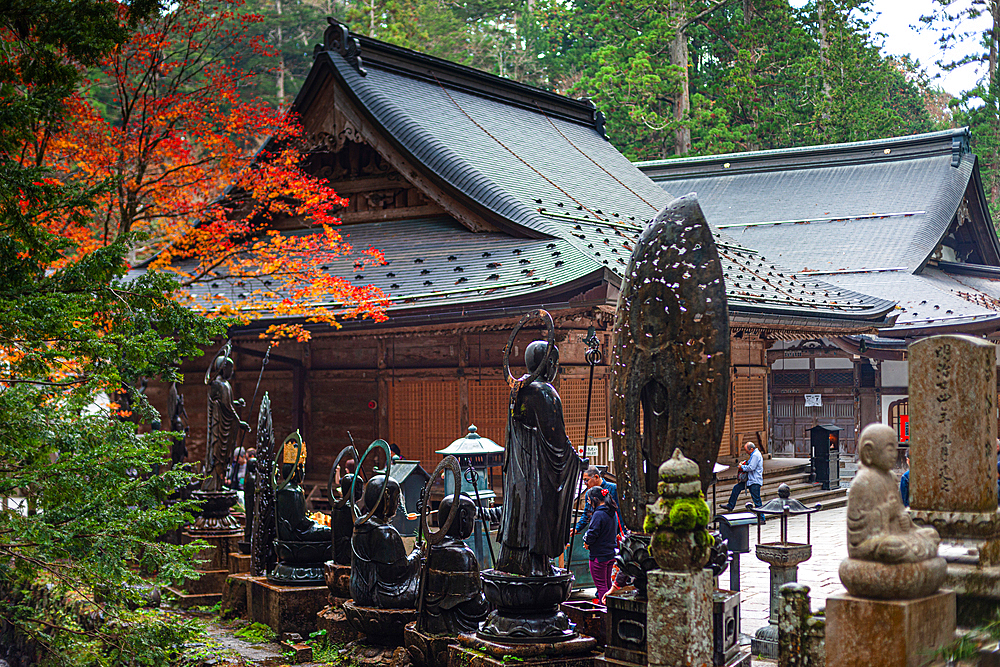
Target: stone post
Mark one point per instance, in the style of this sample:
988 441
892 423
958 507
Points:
679 617
801 636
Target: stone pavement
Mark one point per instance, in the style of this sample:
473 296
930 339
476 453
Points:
829 540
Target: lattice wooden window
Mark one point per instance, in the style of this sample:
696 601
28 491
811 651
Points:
748 404
790 378
573 393
488 405
724 447
424 417
899 418
834 378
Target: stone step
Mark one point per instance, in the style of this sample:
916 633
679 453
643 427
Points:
806 493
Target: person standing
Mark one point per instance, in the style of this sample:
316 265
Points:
592 478
601 538
904 483
754 467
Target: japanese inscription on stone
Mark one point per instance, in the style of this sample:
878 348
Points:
953 424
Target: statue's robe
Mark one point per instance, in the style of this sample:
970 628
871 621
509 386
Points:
294 524
342 523
382 575
541 476
453 593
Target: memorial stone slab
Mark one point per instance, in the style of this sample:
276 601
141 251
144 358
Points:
953 427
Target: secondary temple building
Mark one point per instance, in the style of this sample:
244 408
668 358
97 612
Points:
902 219
489 198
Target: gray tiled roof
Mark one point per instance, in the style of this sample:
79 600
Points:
536 164
868 205
865 217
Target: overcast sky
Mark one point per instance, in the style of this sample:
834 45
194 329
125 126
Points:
895 18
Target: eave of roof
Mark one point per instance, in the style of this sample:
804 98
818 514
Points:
953 142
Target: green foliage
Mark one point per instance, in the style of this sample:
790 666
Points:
256 633
75 329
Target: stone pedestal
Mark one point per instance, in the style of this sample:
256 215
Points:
212 563
679 618
333 619
473 651
381 627
901 633
427 650
238 563
286 608
236 596
783 559
589 618
626 628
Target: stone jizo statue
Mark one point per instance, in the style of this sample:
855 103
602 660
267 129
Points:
888 556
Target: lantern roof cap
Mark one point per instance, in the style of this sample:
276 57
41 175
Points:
472 444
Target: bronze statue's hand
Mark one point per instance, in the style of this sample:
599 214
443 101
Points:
240 402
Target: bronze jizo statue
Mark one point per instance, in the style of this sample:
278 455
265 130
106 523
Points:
262 530
541 475
541 470
671 357
382 575
453 593
223 421
303 545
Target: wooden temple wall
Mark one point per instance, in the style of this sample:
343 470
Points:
420 391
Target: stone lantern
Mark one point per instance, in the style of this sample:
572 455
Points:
783 557
476 456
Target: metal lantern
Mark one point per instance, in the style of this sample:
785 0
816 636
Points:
476 455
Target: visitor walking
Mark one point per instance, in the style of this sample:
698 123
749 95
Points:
904 483
753 467
601 538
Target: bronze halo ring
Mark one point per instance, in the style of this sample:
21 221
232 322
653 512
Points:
223 352
449 463
384 446
526 379
279 461
337 504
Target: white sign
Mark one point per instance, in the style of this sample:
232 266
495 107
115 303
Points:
591 450
814 400
579 450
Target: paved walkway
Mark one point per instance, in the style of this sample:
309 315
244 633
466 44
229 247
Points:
829 540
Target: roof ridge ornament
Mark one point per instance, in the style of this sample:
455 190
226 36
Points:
338 38
959 146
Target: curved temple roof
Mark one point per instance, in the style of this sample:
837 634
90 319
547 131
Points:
537 167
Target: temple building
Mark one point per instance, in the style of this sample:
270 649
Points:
489 198
902 219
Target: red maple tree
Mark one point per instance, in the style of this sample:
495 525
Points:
200 173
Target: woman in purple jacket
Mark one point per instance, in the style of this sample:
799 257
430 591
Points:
601 538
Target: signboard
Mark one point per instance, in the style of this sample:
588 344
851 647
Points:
904 428
579 450
591 450
814 400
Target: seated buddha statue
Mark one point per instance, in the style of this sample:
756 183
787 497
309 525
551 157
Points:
382 575
453 592
888 556
302 543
